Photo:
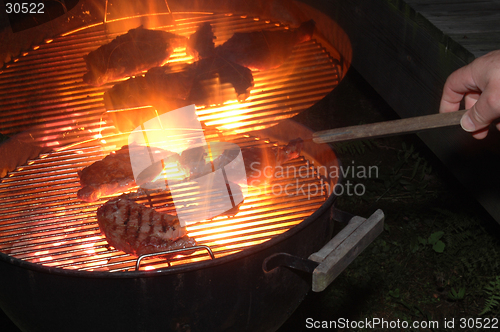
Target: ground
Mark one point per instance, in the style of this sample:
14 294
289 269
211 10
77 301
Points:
438 258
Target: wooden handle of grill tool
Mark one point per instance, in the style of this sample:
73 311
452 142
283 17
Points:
373 130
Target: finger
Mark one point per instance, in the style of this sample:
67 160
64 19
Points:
448 106
481 133
472 126
458 84
483 112
450 100
470 99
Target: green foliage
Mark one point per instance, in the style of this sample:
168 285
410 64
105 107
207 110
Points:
418 166
433 241
493 293
433 259
473 253
394 293
408 177
456 295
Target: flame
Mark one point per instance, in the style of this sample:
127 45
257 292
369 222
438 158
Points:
171 172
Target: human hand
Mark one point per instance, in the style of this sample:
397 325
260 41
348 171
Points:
478 83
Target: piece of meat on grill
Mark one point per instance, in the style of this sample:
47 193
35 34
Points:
192 162
114 173
129 54
262 50
107 176
139 230
158 88
205 82
111 175
201 43
261 163
217 80
165 91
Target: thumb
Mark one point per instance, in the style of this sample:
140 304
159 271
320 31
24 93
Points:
473 122
466 121
474 119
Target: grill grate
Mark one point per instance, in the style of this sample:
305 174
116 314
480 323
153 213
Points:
41 220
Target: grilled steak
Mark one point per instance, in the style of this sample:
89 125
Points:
198 83
139 230
211 76
201 43
108 176
129 54
193 164
114 173
261 50
160 88
205 82
164 90
261 163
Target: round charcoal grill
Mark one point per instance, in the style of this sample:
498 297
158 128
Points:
50 241
44 222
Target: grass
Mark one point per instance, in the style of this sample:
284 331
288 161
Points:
438 258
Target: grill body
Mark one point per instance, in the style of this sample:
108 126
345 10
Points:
230 293
42 221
